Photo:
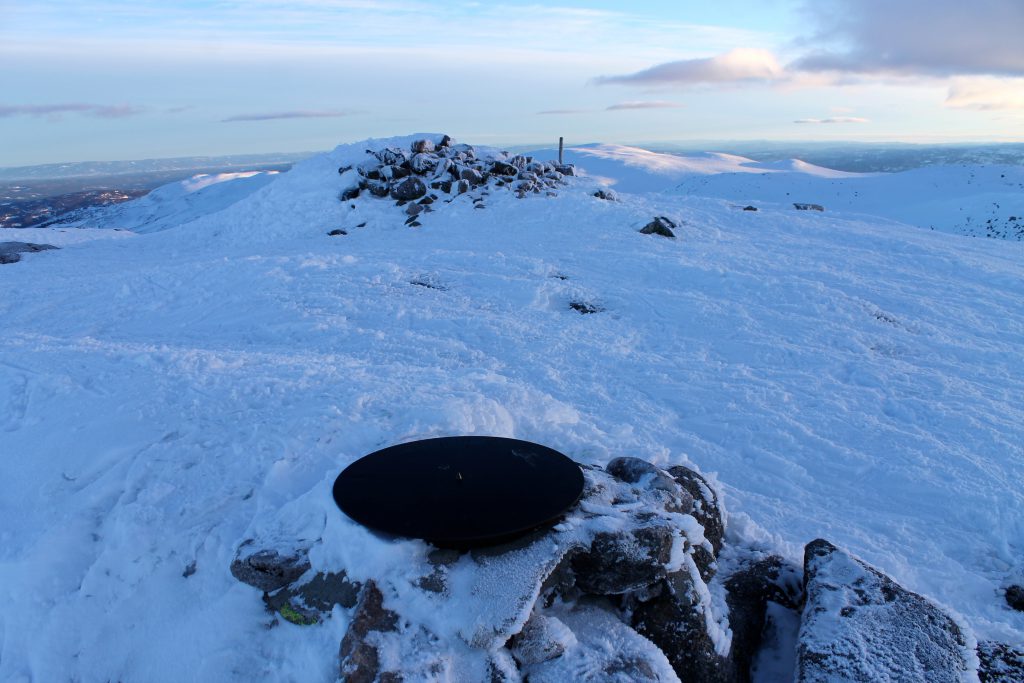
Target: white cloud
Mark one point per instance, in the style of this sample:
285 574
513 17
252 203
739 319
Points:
738 65
986 93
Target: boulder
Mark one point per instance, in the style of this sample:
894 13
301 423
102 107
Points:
603 648
420 146
349 194
409 189
313 600
566 169
337 232
503 168
606 194
750 208
359 658
748 592
1015 597
672 496
860 626
659 226
268 569
675 621
707 511
543 638
621 561
471 175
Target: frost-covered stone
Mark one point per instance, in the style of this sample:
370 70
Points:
409 189
268 569
676 621
861 626
707 511
359 657
1000 663
605 650
314 599
423 146
543 638
655 479
622 561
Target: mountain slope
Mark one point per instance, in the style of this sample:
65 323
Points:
165 394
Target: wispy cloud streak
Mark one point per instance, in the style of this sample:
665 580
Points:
55 111
648 104
301 114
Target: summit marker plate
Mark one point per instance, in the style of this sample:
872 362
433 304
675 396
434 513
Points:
460 491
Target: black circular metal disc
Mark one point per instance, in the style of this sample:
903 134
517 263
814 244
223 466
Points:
460 491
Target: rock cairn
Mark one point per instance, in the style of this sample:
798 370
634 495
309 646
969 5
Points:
430 171
621 589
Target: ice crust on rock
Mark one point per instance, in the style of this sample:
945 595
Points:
860 626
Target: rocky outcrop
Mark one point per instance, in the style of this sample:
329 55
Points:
659 226
429 169
10 252
808 207
860 626
706 509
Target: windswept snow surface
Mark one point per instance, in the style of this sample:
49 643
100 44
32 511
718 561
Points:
162 395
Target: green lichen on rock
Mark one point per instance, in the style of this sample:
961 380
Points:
296 617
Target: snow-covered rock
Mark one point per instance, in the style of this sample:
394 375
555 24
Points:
861 626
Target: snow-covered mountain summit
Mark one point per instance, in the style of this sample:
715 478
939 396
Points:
167 395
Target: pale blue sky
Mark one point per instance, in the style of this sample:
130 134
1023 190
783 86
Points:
111 79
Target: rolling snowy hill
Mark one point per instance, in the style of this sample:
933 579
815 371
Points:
162 395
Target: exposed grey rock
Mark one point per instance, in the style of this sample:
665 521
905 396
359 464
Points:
10 252
423 163
622 561
748 592
1000 663
461 187
609 195
659 226
503 168
359 658
349 193
394 172
637 471
378 189
750 208
268 569
566 169
337 232
313 600
414 209
422 146
409 189
1015 597
674 621
391 156
473 176
584 307
446 141
707 512
861 626
543 638
808 207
